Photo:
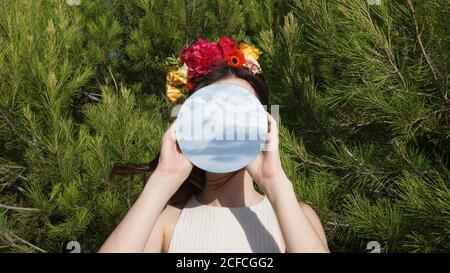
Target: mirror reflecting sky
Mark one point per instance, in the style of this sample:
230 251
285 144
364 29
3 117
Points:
221 128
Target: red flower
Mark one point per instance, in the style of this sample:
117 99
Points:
200 56
236 58
190 85
226 45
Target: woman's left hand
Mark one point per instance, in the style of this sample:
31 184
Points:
266 169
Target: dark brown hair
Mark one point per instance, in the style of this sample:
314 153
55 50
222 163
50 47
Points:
196 181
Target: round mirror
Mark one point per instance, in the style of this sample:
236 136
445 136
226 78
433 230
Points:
221 128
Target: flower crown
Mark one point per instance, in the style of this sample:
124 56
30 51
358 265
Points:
197 60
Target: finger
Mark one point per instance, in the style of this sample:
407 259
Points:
170 133
271 122
173 135
271 143
169 138
178 148
268 137
272 127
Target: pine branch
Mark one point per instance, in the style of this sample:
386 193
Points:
93 96
113 78
386 48
405 157
429 115
355 125
4 114
422 48
12 240
18 208
7 171
336 225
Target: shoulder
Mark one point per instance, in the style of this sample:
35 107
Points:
314 219
307 209
311 214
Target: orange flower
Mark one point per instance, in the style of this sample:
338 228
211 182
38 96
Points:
249 51
236 58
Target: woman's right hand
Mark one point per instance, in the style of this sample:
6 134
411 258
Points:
173 166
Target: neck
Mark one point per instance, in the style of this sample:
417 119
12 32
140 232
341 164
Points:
238 191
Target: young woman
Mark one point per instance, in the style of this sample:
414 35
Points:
185 209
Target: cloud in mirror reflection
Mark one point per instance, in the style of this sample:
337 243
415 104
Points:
221 128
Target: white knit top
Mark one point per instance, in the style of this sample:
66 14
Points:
208 229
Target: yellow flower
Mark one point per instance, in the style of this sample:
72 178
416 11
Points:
249 51
178 77
173 93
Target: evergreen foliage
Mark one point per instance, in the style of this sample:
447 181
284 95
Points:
362 89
